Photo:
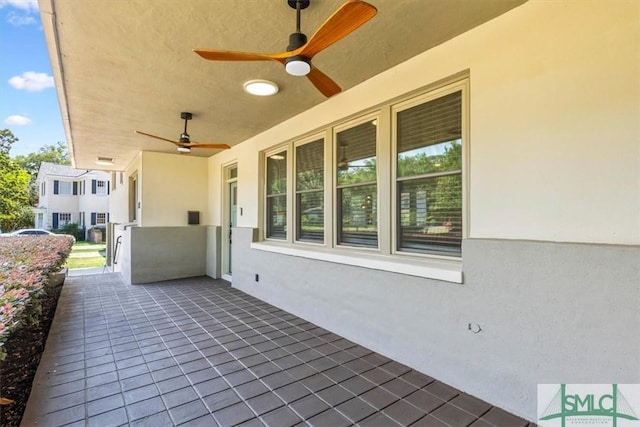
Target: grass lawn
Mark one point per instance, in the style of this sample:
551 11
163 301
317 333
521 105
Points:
85 254
85 262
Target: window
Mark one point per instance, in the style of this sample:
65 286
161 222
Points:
134 203
429 176
63 219
65 187
356 177
277 196
101 187
101 218
310 191
394 186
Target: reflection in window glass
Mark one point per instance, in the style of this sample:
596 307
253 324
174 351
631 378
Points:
429 173
357 190
310 191
277 196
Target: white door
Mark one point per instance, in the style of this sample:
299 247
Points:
230 218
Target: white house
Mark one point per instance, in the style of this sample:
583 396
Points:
468 205
67 195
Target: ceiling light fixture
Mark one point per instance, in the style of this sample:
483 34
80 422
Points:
182 149
105 161
260 87
297 65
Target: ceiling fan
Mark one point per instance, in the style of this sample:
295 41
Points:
297 58
184 143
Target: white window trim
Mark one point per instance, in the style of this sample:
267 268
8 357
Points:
385 257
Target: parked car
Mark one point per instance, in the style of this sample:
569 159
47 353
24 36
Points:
31 232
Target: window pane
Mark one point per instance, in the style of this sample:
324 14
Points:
357 154
429 137
65 187
430 214
277 173
358 216
277 217
311 216
310 166
309 191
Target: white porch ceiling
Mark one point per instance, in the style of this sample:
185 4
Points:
122 66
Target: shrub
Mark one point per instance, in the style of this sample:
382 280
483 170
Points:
25 265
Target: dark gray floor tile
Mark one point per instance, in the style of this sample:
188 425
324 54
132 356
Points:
277 380
172 384
442 390
339 374
105 404
419 379
453 415
179 397
292 392
471 404
145 408
264 369
234 414
379 398
431 421
395 368
116 417
251 389
264 403
424 400
378 420
66 416
221 400
356 409
329 418
404 413
141 393
378 376
211 386
309 406
65 401
482 423
239 377
357 385
103 391
335 395
187 412
136 382
282 417
66 388
501 418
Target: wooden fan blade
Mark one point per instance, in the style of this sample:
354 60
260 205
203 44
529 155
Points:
156 137
231 55
206 145
323 82
343 22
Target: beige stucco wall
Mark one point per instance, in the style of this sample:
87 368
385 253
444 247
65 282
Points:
172 184
554 122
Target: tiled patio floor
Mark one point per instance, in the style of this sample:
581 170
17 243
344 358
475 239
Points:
199 352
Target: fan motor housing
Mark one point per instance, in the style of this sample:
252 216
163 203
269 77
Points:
303 3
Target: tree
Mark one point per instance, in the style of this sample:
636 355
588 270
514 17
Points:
7 139
15 211
57 154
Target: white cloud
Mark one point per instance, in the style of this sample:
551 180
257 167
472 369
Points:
21 20
32 81
16 120
25 5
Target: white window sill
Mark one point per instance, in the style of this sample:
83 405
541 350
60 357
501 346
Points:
430 268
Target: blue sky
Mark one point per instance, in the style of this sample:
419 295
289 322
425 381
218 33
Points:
28 100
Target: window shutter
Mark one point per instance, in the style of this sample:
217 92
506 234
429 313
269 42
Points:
93 218
55 221
107 216
93 186
108 189
55 186
75 188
